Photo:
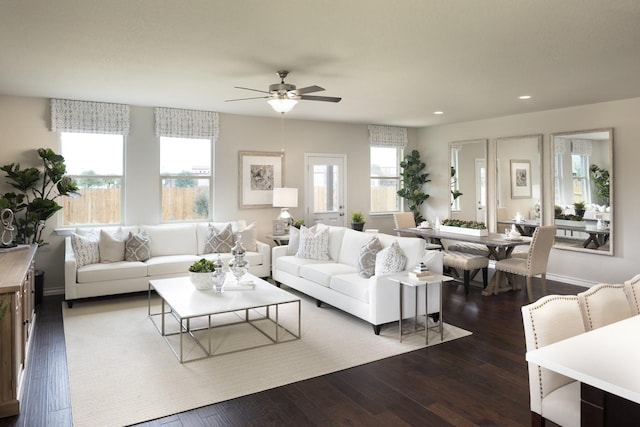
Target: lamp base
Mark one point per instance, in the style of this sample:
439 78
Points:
286 217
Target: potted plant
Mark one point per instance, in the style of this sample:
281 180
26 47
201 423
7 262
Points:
298 223
601 181
455 192
412 180
357 220
201 273
579 208
34 202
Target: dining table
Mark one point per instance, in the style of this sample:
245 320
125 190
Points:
499 246
605 362
525 227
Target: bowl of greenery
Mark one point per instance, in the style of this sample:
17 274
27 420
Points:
201 274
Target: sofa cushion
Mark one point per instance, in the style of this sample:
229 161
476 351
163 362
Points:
294 241
322 273
174 239
336 236
86 248
136 247
249 235
112 245
367 259
170 264
314 243
352 242
219 240
390 260
351 285
112 271
291 264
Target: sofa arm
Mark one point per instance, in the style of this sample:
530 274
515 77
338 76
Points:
264 250
70 269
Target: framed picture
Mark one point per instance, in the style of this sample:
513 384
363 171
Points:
279 227
259 172
520 179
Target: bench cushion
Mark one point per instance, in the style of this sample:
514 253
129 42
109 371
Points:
464 260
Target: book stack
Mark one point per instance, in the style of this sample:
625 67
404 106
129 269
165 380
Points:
421 272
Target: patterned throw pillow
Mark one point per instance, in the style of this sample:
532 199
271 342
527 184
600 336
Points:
86 248
137 247
314 243
367 260
219 241
390 260
112 246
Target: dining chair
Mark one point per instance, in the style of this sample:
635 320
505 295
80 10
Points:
603 304
552 396
534 264
632 289
404 220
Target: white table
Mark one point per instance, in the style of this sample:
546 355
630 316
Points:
181 301
606 359
433 280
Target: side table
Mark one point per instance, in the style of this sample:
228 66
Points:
279 240
433 280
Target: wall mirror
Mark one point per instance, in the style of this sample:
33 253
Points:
468 161
583 196
519 183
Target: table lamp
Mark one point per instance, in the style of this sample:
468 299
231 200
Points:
285 198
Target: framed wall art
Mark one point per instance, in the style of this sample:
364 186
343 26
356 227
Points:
259 173
520 179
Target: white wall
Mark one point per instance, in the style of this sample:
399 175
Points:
574 267
25 123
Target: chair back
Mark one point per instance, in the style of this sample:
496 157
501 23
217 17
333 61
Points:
603 304
550 319
404 220
541 242
632 289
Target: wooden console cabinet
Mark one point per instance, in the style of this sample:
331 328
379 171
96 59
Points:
18 297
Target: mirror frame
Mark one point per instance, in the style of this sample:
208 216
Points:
611 227
485 145
500 175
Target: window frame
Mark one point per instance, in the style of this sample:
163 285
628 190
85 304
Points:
398 203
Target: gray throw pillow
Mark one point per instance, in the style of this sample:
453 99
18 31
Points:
367 259
219 241
137 247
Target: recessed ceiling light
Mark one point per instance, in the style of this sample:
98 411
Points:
525 97
438 112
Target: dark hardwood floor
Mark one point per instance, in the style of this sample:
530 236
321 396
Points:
479 380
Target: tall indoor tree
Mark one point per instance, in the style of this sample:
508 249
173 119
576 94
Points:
413 178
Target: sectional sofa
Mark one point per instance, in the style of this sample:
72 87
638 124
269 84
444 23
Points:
337 280
120 264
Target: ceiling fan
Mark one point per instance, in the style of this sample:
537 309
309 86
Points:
284 96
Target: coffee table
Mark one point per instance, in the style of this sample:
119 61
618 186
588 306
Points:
186 305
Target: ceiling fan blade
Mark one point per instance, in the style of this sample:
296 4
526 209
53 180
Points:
320 98
248 88
309 89
244 99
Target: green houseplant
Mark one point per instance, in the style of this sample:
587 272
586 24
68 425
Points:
601 181
357 220
455 193
579 208
413 178
34 200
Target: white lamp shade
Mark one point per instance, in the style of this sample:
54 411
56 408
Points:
282 105
285 197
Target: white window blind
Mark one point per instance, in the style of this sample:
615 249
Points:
388 136
89 117
178 123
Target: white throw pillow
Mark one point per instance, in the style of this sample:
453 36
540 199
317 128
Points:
294 241
112 246
219 241
314 243
137 247
249 237
86 248
390 260
367 259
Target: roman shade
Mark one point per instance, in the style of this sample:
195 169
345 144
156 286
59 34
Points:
89 117
387 136
178 123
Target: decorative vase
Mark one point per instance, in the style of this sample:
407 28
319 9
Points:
201 281
238 265
219 275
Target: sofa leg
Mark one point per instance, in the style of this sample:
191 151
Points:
70 304
277 283
318 303
376 329
435 317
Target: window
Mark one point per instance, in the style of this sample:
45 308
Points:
580 174
385 179
96 163
186 178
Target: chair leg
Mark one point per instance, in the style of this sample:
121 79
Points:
467 273
543 280
529 291
485 277
537 420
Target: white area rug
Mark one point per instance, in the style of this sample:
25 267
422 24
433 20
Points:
122 371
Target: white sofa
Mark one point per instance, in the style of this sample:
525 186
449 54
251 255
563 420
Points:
173 249
337 282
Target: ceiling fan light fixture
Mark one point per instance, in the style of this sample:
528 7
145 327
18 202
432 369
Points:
282 105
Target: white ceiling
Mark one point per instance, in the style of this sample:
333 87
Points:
392 62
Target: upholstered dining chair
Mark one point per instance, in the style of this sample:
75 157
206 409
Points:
552 396
632 289
603 304
534 264
404 220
